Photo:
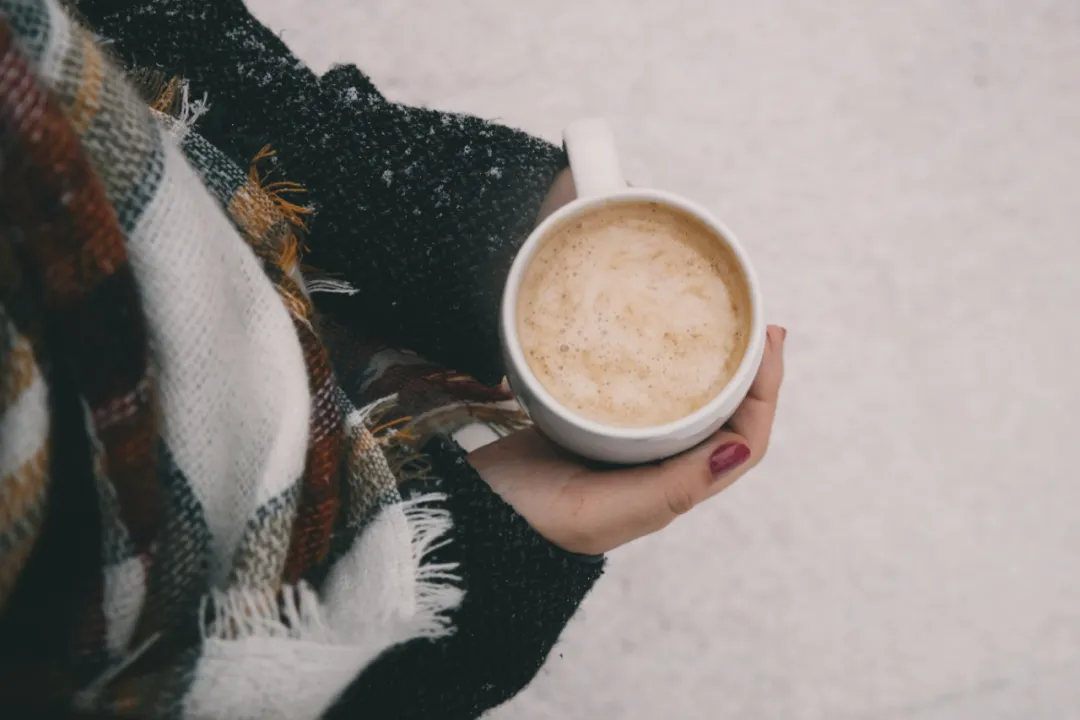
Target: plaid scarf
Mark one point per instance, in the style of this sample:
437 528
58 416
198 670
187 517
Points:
198 518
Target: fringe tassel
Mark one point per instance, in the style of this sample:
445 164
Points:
371 415
449 419
290 211
295 612
464 387
271 217
292 613
172 100
409 466
330 285
436 583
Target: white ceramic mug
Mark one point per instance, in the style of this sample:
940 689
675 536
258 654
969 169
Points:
598 178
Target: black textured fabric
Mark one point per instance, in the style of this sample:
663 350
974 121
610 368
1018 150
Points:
421 211
520 591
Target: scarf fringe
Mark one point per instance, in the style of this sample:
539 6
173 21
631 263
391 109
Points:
437 588
292 613
295 612
175 110
330 285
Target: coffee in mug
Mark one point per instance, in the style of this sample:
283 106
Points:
634 314
631 322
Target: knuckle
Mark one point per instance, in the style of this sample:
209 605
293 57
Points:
679 495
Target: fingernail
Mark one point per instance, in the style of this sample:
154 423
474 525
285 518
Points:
727 457
783 334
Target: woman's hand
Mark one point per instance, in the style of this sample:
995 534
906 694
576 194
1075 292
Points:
588 510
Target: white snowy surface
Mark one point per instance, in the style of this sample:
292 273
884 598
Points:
907 176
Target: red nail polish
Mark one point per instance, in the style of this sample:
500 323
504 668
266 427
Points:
727 457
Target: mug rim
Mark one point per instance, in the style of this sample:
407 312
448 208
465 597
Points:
704 414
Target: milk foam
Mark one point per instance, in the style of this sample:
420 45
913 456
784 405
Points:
634 315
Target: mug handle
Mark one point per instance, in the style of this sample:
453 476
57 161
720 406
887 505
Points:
594 159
